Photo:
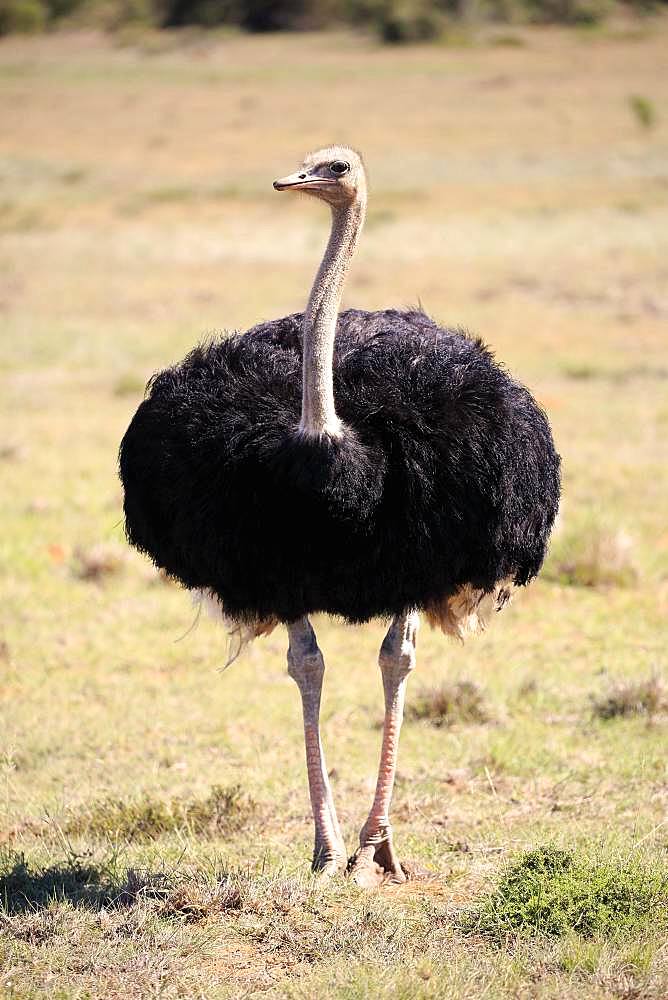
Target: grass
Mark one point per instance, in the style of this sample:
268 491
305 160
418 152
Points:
593 554
155 819
221 812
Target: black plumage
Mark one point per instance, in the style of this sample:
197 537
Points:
446 474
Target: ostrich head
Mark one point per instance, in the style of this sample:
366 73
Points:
334 174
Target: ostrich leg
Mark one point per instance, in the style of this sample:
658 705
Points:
375 861
306 666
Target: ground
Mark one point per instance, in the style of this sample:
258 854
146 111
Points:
156 827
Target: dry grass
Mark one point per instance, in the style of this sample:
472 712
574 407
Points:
623 699
447 704
98 561
514 189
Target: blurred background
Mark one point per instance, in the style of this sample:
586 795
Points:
393 21
518 160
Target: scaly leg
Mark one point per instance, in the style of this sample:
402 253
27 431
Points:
375 861
306 666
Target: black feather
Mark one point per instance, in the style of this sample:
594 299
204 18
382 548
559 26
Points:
446 473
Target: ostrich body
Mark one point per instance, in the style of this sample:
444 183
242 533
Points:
362 464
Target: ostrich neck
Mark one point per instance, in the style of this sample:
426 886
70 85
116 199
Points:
318 412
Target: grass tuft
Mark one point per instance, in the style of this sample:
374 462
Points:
631 698
223 811
508 40
643 110
447 704
198 899
99 561
10 452
553 892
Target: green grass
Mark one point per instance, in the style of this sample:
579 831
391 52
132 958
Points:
154 815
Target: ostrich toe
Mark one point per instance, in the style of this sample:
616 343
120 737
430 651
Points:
376 864
326 869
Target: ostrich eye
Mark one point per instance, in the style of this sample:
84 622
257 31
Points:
339 167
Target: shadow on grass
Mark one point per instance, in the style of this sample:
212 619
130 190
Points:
25 889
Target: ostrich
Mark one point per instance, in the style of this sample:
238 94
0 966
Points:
363 464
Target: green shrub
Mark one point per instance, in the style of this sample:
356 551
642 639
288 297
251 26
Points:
554 892
26 16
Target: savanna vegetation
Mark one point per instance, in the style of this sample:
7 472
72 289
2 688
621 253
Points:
155 831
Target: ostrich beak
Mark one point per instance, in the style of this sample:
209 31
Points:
299 182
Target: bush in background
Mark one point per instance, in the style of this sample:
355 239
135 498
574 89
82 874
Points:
394 21
397 21
22 16
255 15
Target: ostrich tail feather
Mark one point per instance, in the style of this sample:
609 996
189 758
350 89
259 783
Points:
469 610
239 633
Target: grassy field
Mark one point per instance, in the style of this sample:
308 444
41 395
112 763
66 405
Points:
155 827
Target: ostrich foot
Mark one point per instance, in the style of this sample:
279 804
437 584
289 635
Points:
328 868
329 852
327 863
374 865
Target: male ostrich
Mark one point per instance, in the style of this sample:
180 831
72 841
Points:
364 464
